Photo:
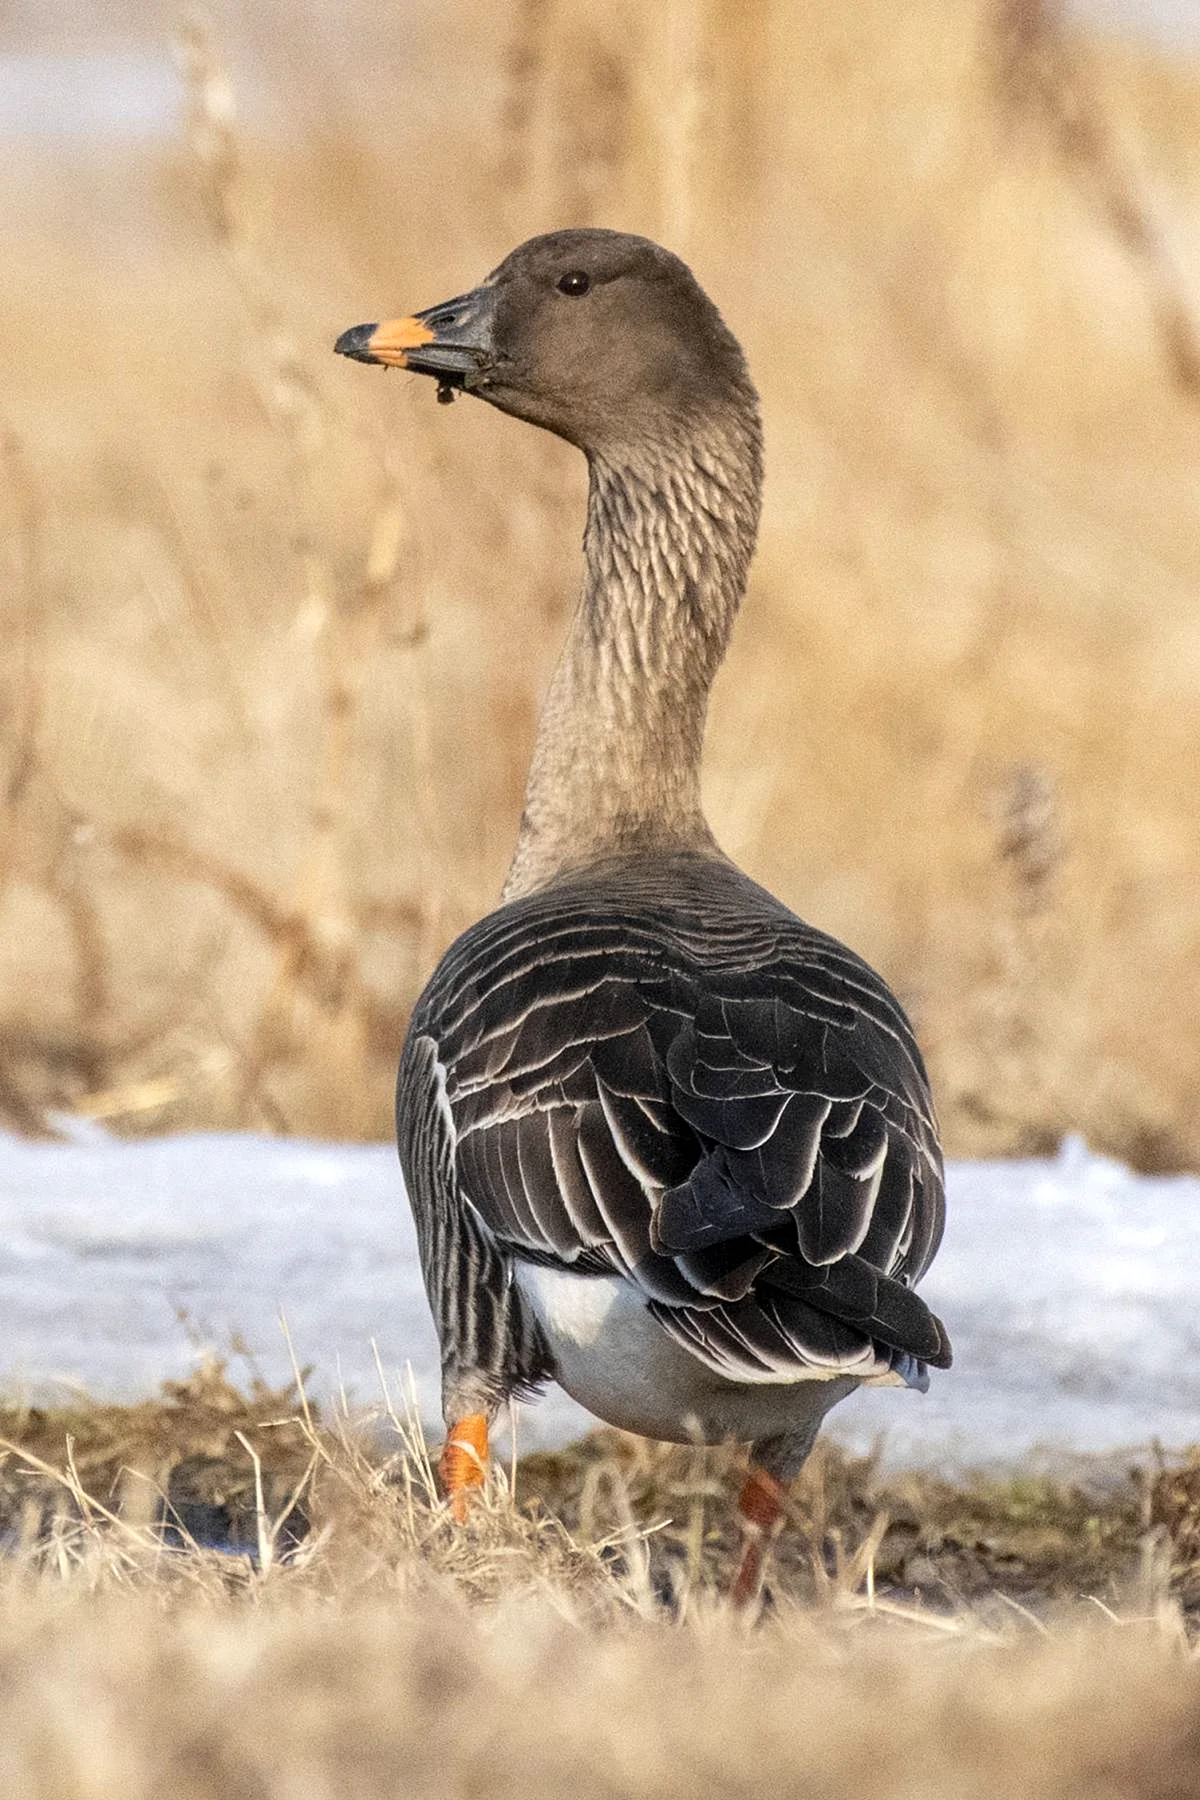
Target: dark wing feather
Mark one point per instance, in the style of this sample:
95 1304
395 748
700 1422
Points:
664 1073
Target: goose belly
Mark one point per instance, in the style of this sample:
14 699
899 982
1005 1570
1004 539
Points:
613 1357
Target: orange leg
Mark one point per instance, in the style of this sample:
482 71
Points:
760 1506
463 1463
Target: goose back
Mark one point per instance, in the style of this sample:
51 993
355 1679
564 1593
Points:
655 1070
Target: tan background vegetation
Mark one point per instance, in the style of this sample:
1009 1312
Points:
274 628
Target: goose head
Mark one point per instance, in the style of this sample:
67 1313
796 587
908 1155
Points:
601 337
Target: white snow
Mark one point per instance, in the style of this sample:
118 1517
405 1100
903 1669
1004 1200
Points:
1068 1286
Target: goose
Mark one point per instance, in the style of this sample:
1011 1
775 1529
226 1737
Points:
664 1143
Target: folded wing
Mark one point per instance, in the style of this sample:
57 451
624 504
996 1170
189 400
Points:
732 1114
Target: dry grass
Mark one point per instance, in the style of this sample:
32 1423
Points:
573 1639
207 1458
218 1700
221 1700
275 631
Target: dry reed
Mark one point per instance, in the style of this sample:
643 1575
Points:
275 631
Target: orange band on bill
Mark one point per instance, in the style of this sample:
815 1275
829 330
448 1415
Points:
463 1463
390 340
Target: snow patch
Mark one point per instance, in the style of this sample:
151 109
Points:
1068 1287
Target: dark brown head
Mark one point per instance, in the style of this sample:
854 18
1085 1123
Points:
600 337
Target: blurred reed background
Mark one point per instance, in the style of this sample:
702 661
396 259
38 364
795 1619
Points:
275 628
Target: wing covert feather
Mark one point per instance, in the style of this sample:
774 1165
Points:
696 1090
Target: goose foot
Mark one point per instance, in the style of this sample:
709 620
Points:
463 1462
760 1508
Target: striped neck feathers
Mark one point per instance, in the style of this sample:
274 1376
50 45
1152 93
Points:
671 527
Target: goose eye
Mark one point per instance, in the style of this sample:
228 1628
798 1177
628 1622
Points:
574 283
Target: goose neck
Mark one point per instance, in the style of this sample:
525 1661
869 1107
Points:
616 765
